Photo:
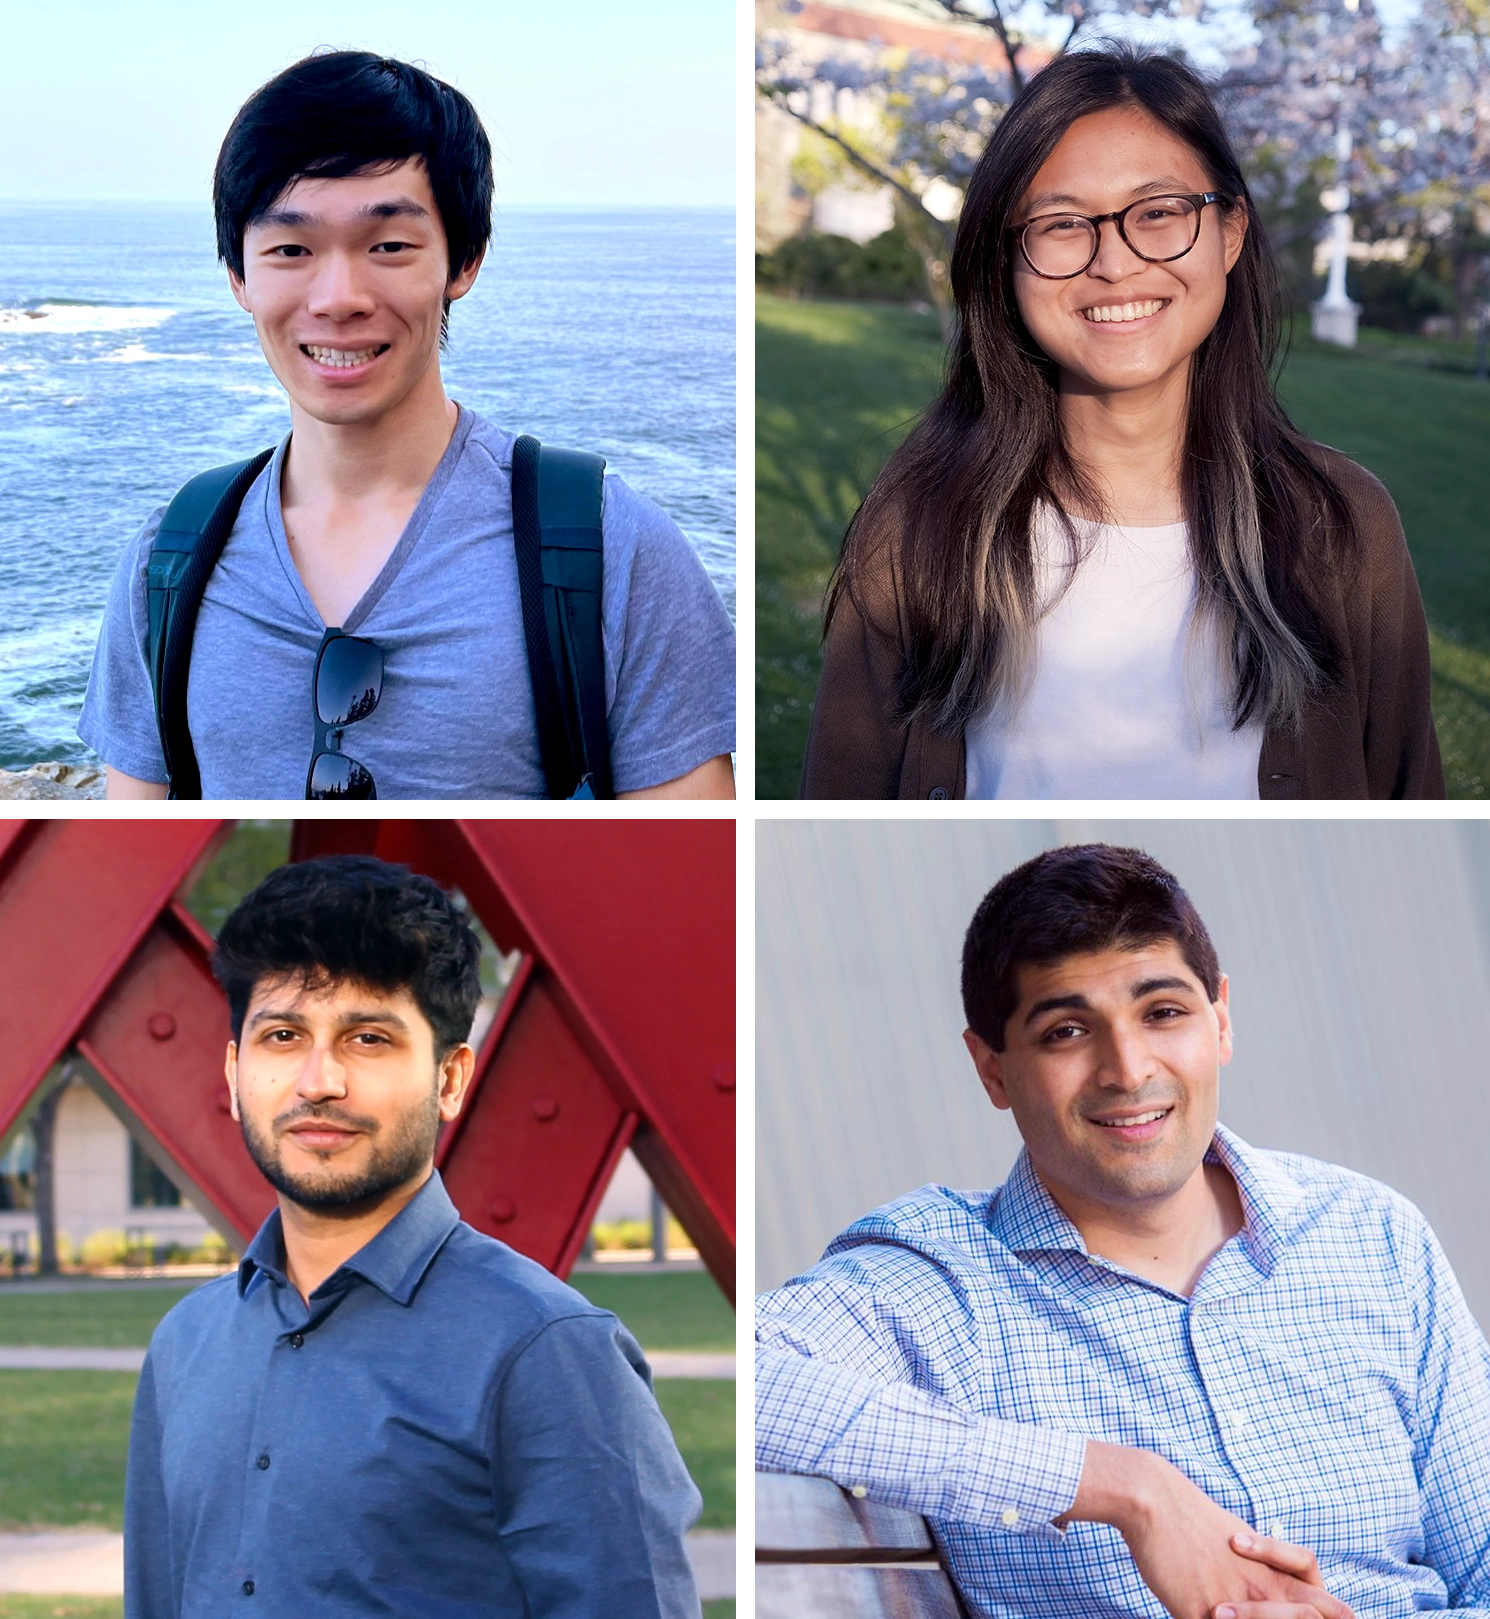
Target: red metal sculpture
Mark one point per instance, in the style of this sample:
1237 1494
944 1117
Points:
618 1029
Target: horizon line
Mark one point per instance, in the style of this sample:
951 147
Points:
497 207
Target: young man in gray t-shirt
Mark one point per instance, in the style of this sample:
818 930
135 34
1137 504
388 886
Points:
353 200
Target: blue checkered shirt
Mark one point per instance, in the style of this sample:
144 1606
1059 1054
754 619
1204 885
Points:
952 1352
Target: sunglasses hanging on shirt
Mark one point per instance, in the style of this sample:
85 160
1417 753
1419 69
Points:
345 688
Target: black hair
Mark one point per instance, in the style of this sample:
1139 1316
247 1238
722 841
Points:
338 113
355 920
1068 902
941 555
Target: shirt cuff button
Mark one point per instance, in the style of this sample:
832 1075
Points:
858 1492
1275 1531
1010 1518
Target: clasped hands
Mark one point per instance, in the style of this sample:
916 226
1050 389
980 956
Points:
1296 1565
1201 1561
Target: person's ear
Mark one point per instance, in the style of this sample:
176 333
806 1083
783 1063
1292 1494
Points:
990 1067
460 285
230 1073
1234 230
240 292
456 1069
1222 1005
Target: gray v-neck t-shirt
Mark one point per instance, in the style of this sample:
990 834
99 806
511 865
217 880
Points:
456 718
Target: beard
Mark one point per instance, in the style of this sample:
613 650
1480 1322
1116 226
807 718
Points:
392 1162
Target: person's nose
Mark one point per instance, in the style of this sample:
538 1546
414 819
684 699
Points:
1115 260
1125 1062
339 290
322 1077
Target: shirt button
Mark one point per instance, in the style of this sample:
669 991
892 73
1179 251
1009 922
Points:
1275 1531
248 1588
1010 1518
938 793
297 1340
263 1463
858 1492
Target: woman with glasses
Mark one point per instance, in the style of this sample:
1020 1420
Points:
1105 564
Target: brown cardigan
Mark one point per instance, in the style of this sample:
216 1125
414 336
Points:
1370 736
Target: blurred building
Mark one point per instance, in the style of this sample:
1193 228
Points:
105 1182
853 30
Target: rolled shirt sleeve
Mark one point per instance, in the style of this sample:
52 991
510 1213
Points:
836 1396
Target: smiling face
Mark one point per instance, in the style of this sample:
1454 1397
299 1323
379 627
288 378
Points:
1111 1068
338 1092
346 281
1125 323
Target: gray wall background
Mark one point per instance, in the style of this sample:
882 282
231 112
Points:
1359 958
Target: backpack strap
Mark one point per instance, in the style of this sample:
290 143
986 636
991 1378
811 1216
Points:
557 498
182 556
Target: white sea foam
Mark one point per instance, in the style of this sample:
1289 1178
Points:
39 651
72 318
133 353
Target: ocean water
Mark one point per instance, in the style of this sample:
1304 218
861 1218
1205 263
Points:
126 366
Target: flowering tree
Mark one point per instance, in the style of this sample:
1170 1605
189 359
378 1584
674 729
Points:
1414 109
929 118
1417 110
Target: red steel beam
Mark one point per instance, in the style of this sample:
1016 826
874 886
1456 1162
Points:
633 926
76 899
618 1028
537 1143
157 1039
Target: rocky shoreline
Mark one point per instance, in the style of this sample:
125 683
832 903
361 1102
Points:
52 781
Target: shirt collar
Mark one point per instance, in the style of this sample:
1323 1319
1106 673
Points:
1027 1219
394 1261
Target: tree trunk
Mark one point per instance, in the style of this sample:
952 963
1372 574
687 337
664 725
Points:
933 241
43 1133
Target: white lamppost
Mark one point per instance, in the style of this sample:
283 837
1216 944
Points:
1335 315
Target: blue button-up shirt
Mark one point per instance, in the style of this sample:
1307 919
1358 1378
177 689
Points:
953 1351
445 1431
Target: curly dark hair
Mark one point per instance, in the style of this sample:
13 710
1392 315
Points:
354 919
1065 902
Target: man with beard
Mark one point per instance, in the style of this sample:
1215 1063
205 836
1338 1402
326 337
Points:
384 1411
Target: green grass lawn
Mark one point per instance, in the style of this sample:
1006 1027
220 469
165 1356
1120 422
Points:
682 1311
838 384
64 1435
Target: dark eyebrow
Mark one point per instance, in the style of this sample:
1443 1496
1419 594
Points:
348 1020
1079 1003
297 219
1166 185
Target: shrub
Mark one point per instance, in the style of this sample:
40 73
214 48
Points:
810 265
101 1248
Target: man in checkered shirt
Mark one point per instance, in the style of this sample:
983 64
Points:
1158 1370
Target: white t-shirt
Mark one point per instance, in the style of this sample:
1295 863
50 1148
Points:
1123 701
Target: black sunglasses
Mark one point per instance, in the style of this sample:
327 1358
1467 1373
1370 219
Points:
344 689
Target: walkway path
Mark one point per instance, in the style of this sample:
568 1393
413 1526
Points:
664 1362
90 1562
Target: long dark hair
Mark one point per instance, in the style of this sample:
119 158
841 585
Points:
945 535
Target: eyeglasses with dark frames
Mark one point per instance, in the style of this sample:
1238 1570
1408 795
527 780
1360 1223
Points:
1158 229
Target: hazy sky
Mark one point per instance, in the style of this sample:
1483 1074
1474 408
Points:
585 101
